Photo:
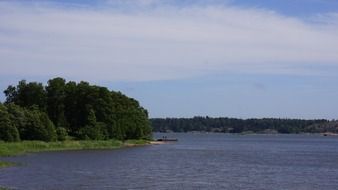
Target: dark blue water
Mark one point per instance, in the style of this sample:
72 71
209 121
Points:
196 161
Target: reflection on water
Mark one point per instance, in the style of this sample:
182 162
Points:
196 161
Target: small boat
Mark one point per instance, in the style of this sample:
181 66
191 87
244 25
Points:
329 134
165 139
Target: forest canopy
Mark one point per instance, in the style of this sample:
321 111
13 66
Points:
233 125
33 111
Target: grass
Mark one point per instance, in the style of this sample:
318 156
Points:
4 164
19 148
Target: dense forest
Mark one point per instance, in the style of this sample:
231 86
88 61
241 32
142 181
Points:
63 109
232 125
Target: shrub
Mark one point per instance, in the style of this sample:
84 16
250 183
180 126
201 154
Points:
96 132
38 127
61 133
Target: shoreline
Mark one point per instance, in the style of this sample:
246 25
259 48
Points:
26 147
5 164
19 148
157 142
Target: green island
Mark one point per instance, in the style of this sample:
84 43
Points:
68 116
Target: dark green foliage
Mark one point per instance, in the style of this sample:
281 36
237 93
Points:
17 116
91 118
120 114
116 131
27 94
331 126
93 130
32 124
85 111
38 127
232 125
8 132
49 127
131 119
96 132
61 133
55 101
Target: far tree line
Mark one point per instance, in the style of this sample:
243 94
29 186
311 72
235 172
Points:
233 125
64 109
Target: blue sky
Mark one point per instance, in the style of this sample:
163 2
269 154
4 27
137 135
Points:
234 58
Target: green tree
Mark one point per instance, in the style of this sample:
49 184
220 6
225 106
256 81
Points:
18 117
84 110
8 132
55 101
91 118
93 130
71 110
27 95
39 127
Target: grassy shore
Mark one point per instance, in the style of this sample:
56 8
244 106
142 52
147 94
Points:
4 164
18 148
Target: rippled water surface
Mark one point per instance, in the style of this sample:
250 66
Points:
196 161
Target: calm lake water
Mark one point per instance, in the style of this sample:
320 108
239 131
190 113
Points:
196 161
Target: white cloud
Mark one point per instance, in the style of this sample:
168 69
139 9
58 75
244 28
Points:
163 42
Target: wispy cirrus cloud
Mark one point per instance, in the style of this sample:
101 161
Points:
160 42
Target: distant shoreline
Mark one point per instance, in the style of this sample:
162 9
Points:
238 126
252 133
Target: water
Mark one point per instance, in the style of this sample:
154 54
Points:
196 161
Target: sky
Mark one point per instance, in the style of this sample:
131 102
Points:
182 58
